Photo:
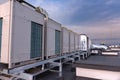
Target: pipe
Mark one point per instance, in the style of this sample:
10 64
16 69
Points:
10 34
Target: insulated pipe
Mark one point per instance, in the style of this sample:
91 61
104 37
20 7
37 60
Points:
10 34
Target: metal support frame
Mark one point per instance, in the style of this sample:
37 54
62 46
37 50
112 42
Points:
20 71
84 55
77 56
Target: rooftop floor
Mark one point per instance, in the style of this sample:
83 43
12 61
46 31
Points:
99 67
68 74
101 62
94 61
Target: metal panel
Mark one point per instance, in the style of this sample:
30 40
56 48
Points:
21 33
76 41
83 42
5 14
72 41
36 40
52 26
65 40
16 32
89 43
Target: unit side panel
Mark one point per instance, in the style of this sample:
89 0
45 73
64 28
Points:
21 39
72 42
52 26
5 15
65 40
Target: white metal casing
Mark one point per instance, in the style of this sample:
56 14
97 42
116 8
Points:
89 43
65 40
72 42
83 42
5 14
77 36
50 37
20 33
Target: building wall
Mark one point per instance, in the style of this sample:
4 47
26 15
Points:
5 14
51 27
65 40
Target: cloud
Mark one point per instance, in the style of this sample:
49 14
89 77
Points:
101 30
59 10
38 2
109 2
112 2
72 12
96 18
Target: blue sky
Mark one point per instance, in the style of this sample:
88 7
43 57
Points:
96 18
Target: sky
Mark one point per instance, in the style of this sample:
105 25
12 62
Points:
99 19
